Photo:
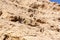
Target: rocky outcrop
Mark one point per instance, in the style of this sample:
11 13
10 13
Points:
29 20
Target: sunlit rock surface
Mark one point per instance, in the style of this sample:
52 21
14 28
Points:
29 20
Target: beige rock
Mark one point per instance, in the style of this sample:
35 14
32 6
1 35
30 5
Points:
29 20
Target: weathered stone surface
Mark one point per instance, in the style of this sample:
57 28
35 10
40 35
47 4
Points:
29 20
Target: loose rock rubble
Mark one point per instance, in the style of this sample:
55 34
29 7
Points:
29 20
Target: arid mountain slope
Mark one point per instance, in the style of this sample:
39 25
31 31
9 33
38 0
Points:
29 20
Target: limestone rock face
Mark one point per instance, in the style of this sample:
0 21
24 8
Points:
29 20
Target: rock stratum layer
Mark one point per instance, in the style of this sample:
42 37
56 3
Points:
29 20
